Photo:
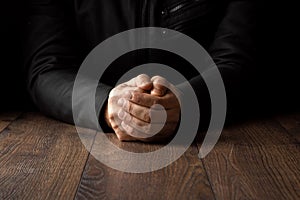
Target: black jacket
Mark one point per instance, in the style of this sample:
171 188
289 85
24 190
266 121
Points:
60 33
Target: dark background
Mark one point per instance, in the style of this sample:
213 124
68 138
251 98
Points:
12 83
275 88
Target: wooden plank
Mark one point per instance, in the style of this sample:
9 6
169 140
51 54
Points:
291 122
255 160
183 179
7 118
40 158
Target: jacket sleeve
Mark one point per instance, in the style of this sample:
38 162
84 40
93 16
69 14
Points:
235 43
51 53
233 51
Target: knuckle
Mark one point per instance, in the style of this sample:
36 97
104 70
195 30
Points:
156 77
146 117
115 126
159 80
121 136
112 99
139 123
127 117
129 107
113 92
136 98
141 76
157 101
111 117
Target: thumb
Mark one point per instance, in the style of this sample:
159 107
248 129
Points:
143 82
160 86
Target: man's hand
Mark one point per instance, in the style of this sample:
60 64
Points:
139 121
139 85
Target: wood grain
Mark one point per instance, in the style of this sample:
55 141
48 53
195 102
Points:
7 118
291 122
40 158
255 160
183 179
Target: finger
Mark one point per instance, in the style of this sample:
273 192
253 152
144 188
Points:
134 132
144 113
121 91
168 101
140 112
118 129
149 129
127 94
149 135
156 117
144 82
140 129
128 118
123 136
160 86
114 121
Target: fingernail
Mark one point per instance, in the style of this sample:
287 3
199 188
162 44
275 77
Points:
121 102
121 114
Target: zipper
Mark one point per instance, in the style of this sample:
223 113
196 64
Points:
183 5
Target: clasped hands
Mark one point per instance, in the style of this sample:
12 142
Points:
129 111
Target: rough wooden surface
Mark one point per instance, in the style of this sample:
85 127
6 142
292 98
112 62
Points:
255 160
40 158
184 179
7 118
291 123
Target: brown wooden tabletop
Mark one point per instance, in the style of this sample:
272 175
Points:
41 158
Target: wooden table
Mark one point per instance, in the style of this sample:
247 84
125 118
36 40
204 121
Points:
41 158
